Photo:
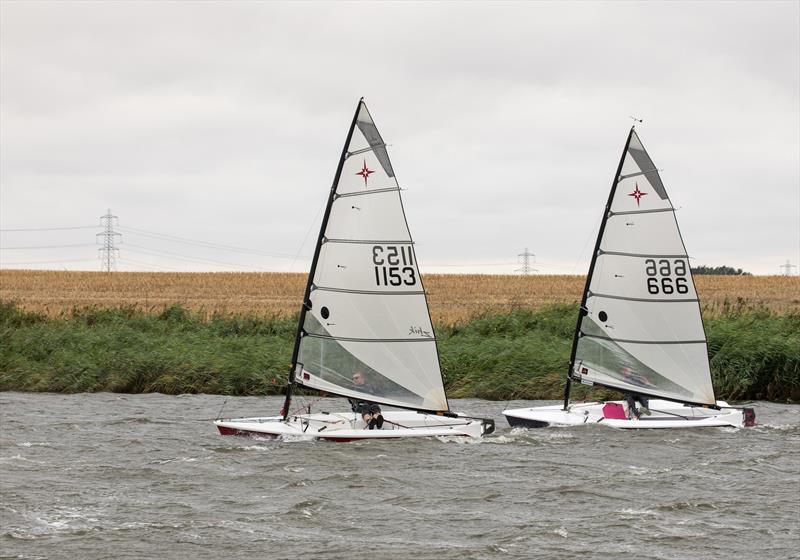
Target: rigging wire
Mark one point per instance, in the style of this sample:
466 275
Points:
586 243
308 232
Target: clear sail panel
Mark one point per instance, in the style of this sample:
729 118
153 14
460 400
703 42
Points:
665 370
400 373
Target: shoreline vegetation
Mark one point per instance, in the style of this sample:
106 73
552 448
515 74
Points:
500 337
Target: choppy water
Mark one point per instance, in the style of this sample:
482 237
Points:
147 476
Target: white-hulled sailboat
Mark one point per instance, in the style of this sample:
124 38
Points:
365 332
639 327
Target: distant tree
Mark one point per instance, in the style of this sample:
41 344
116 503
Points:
719 270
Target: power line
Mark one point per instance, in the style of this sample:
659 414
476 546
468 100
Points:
109 252
151 234
429 265
157 253
45 262
49 229
148 264
207 244
47 246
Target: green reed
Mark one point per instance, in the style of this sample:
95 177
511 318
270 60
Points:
523 354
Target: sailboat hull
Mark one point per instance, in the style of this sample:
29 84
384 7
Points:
348 426
663 415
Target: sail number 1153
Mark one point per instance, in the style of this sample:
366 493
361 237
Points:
666 277
394 265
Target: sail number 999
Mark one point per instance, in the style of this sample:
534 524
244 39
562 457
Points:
394 265
665 277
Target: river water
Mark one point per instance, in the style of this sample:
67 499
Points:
147 476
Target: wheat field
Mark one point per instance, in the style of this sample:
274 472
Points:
452 299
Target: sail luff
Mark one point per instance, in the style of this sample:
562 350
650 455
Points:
582 308
331 197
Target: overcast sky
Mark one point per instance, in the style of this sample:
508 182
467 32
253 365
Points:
223 123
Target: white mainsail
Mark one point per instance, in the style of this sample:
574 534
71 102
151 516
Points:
640 329
366 310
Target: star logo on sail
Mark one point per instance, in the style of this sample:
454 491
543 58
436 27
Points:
365 172
637 194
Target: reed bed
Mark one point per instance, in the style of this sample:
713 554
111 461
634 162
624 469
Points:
521 354
453 299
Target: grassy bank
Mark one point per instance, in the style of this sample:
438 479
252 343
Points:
755 354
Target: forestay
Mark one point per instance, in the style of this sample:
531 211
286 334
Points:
642 331
366 311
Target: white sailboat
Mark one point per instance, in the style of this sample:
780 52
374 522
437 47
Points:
365 332
639 327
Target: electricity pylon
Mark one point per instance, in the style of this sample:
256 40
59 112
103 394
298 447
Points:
526 262
786 269
108 252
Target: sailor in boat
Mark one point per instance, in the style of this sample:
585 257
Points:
634 378
361 385
370 412
634 398
372 417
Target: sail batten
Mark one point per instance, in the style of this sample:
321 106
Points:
647 341
351 339
371 292
364 150
643 255
365 193
623 177
646 300
629 212
640 328
370 241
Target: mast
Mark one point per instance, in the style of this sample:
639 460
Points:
331 197
582 311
